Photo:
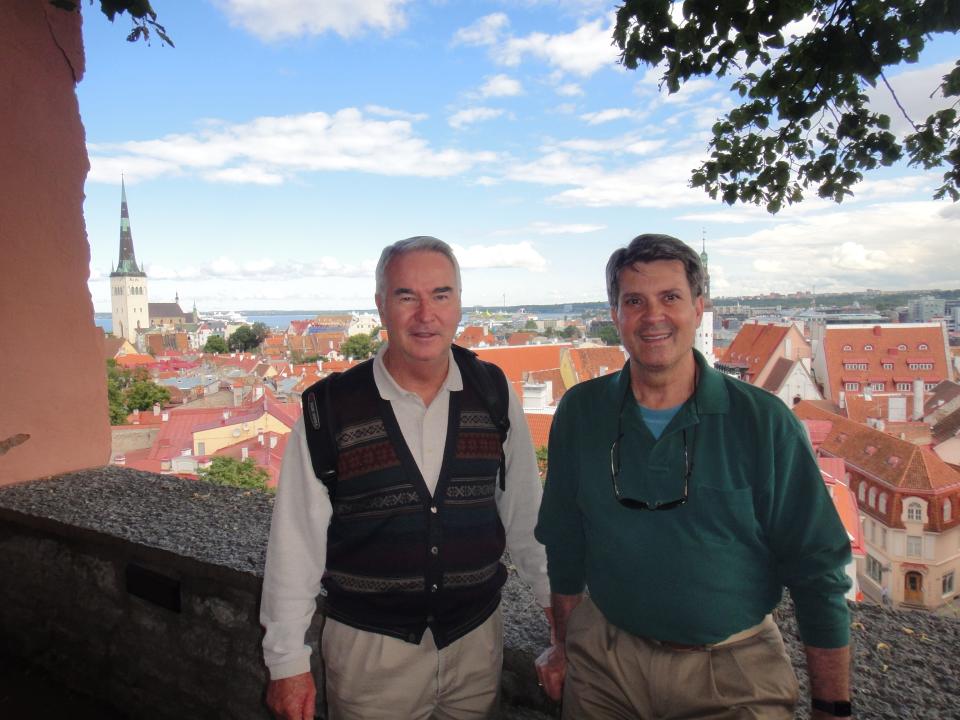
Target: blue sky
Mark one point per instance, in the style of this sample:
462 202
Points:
272 154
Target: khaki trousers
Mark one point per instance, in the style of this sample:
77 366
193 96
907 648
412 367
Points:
612 674
374 677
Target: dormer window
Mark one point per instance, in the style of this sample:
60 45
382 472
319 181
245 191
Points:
841 437
870 450
883 502
901 346
849 348
868 347
893 461
923 346
914 512
887 365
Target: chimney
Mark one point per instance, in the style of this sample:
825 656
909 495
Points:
273 441
136 416
868 393
244 453
156 409
258 392
876 330
164 417
842 400
918 399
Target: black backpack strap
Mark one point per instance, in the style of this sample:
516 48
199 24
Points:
491 384
321 427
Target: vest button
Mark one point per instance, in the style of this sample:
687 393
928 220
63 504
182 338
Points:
433 509
434 588
434 550
430 619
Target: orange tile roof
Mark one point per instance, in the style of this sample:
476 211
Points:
134 360
846 504
473 335
515 361
593 362
896 462
539 424
269 458
754 345
889 345
520 338
555 379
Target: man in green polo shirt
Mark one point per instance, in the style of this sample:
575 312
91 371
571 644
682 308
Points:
684 501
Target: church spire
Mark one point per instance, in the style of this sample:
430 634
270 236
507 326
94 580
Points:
127 265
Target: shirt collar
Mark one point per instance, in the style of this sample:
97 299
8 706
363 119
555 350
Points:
389 389
712 394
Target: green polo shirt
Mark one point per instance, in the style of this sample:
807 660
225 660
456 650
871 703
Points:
758 516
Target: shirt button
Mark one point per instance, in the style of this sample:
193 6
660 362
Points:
433 509
434 550
434 588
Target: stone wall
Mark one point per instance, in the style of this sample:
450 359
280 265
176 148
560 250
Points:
53 375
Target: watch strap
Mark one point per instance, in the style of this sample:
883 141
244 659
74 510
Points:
837 708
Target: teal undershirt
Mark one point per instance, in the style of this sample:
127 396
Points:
657 420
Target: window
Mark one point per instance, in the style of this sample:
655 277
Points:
920 366
872 502
883 538
872 535
914 512
855 366
887 366
862 492
929 386
883 502
923 346
914 546
947 510
901 346
947 584
902 386
878 386
851 386
868 347
849 348
874 568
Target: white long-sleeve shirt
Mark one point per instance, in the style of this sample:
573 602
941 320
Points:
297 548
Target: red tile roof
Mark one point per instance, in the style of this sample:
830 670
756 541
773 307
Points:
520 338
134 360
896 462
539 424
555 379
474 335
880 345
754 346
263 455
593 362
515 361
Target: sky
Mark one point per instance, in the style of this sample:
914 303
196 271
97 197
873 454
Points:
271 155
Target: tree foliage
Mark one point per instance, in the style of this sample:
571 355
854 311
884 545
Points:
215 344
608 334
244 474
570 332
359 347
144 394
260 331
129 390
804 120
542 459
142 15
243 338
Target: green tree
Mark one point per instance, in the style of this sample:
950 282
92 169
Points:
530 325
235 473
358 347
117 407
804 119
216 344
142 16
144 394
542 462
609 335
570 332
243 338
260 331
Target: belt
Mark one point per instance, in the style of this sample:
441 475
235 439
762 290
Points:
736 637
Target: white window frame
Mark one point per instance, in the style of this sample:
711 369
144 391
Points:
914 512
874 569
947 584
914 546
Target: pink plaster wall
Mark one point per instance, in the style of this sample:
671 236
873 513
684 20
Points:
52 376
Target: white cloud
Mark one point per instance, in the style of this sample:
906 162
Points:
569 90
269 149
581 52
917 91
485 31
546 228
521 255
386 112
605 116
275 19
462 118
854 256
501 86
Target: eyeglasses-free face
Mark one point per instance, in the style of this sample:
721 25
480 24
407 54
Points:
633 503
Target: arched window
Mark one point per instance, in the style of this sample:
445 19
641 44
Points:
901 346
914 511
868 347
923 346
862 492
947 510
883 502
847 348
873 497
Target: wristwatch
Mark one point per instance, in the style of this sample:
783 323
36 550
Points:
837 708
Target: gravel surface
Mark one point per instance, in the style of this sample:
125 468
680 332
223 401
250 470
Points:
906 663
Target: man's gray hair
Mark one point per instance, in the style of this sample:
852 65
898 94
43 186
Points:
649 248
413 244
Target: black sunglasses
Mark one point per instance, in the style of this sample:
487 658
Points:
615 469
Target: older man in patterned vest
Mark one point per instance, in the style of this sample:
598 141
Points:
407 541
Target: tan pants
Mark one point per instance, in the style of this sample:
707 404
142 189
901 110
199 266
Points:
612 674
375 677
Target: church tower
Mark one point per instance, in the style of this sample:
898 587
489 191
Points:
128 283
703 341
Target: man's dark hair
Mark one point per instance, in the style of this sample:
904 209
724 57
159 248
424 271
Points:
649 248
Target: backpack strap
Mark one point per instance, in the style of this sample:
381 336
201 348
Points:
491 384
321 427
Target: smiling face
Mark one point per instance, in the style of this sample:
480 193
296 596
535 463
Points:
420 308
657 316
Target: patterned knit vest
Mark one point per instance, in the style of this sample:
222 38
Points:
398 559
